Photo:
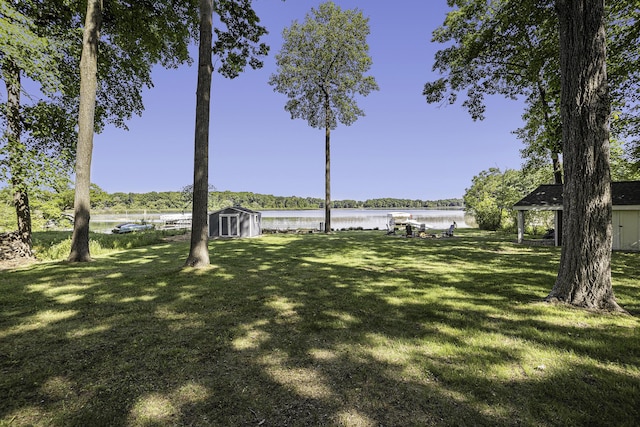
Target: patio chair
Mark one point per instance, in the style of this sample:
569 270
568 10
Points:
449 232
391 229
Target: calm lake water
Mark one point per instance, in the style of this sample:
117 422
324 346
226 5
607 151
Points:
310 219
354 218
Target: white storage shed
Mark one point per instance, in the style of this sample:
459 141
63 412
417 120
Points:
235 221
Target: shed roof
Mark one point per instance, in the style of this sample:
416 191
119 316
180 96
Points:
236 208
549 196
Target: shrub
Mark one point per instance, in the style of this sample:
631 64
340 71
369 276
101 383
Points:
56 245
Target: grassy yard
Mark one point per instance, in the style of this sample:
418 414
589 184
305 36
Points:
351 329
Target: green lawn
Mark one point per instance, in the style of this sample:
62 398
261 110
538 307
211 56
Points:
353 329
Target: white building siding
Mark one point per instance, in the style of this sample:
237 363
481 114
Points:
626 230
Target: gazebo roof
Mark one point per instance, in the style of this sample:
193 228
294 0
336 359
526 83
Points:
549 196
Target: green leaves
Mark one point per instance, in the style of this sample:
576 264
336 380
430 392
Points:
135 36
623 72
493 193
322 66
499 47
510 48
21 44
239 45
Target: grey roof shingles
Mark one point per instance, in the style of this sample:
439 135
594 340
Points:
623 193
237 209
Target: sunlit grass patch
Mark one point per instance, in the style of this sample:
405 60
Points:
251 336
165 409
154 409
306 382
40 320
81 333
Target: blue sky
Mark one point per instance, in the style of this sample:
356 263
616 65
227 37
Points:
402 148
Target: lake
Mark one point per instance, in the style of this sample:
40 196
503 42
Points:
437 219
355 218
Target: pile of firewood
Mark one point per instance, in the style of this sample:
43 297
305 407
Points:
11 247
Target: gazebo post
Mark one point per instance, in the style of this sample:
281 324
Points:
557 235
520 226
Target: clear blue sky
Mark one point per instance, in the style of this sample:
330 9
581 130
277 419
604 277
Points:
402 148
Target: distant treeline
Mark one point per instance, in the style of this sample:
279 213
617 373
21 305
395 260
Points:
47 205
175 200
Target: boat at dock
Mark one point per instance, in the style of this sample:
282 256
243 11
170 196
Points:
174 221
398 218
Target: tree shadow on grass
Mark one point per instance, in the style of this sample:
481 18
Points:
345 329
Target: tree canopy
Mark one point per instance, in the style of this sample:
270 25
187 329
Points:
510 48
492 194
324 59
23 44
43 43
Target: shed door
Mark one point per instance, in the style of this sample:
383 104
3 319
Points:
626 230
229 225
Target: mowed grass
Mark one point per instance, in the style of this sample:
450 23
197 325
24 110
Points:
347 329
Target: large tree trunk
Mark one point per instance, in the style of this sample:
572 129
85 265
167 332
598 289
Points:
86 117
584 276
327 168
199 251
14 133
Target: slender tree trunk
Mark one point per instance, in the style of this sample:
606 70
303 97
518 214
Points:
557 175
199 251
555 156
327 168
14 133
584 276
86 117
557 171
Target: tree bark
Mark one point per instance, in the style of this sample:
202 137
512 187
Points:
584 276
23 212
199 250
86 117
327 168
14 133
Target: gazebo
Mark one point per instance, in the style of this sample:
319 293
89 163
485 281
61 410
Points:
625 197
